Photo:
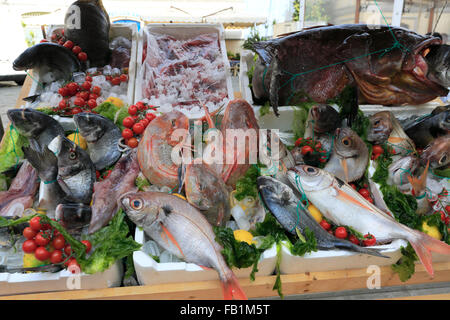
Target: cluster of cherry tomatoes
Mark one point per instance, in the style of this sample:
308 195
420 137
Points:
377 150
343 233
48 244
136 122
363 191
86 97
61 40
311 147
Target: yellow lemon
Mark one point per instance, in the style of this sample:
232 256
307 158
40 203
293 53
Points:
315 213
30 261
78 139
243 235
432 231
179 196
115 101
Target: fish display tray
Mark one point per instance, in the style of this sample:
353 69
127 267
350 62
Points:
22 283
182 31
400 112
128 31
150 272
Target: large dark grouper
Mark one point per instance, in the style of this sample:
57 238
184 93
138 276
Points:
281 201
102 137
328 59
34 124
50 60
182 230
87 24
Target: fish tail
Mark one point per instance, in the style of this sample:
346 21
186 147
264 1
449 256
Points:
423 244
232 289
419 184
355 248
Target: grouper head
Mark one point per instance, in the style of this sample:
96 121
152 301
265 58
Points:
438 60
29 122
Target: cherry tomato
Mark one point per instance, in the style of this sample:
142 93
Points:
73 266
108 78
138 128
82 56
140 105
324 224
43 40
123 78
364 192
377 149
54 36
340 233
68 261
128 122
353 239
132 142
29 246
108 173
68 250
42 239
353 185
88 245
68 44
63 104
56 257
88 78
369 199
35 224
150 116
115 81
96 90
93 96
76 110
73 88
86 85
132 110
84 95
29 233
369 240
42 254
306 150
92 103
79 102
59 242
61 42
127 133
145 122
318 145
64 91
298 142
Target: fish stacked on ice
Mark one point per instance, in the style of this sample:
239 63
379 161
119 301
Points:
184 74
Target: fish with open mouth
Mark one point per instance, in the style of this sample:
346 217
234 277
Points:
182 230
102 137
343 205
425 129
50 60
284 205
350 156
437 153
385 128
21 192
107 191
35 124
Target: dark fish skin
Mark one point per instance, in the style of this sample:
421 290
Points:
52 61
323 62
325 117
380 127
437 153
283 204
107 191
102 137
439 64
92 34
34 124
73 216
437 124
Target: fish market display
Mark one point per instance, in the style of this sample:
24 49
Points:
318 64
156 147
182 230
282 202
350 156
102 137
184 74
51 61
21 192
34 124
87 24
120 181
340 203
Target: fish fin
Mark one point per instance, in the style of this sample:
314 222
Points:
423 244
345 168
41 160
419 184
232 289
205 268
172 238
275 87
31 98
347 245
395 140
345 196
208 117
181 177
265 50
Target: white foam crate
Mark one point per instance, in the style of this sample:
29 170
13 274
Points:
150 272
400 112
39 282
126 30
182 31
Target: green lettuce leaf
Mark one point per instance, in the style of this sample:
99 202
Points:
11 148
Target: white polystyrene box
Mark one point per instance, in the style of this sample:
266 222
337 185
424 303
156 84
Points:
182 31
126 30
150 272
38 282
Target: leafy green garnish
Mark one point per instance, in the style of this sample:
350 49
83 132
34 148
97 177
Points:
299 120
109 110
48 111
441 173
141 182
11 148
265 109
300 247
405 267
278 285
246 185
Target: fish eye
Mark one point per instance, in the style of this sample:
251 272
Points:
310 170
72 155
136 204
346 141
376 123
443 159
